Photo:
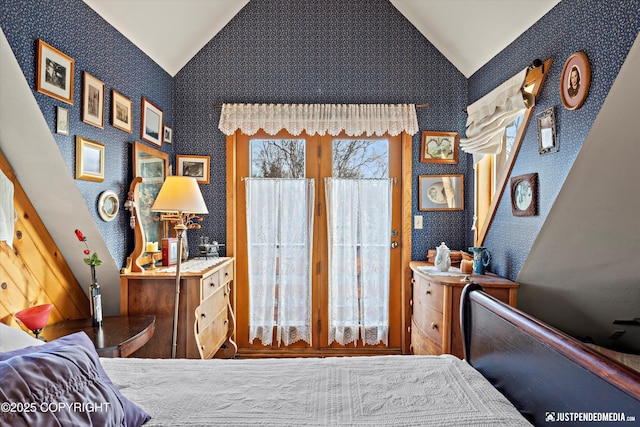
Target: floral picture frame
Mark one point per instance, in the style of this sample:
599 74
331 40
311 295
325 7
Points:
54 72
121 112
441 192
151 122
89 160
439 147
195 166
92 101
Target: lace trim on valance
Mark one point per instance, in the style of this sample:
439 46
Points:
353 119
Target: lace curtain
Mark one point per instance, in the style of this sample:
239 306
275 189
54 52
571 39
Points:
359 232
354 119
279 242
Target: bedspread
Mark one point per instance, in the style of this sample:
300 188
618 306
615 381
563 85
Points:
334 391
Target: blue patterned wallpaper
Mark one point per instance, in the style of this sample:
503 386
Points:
605 31
75 29
319 51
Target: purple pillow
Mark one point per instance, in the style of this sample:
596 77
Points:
134 415
58 386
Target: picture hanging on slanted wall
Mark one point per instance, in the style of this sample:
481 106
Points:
168 134
547 140
54 73
439 147
441 192
151 123
93 101
575 81
89 160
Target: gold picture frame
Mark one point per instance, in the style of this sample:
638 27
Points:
195 166
54 72
89 160
439 147
441 192
92 101
121 112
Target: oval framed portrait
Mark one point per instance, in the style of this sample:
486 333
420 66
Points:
575 81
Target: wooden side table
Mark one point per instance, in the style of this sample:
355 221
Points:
119 336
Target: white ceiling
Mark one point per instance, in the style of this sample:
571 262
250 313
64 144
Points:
468 32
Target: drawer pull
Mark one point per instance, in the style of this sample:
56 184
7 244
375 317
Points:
226 273
434 325
212 283
226 321
203 315
428 292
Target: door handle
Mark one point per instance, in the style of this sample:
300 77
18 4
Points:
394 245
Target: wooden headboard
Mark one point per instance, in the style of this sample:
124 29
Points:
545 373
33 271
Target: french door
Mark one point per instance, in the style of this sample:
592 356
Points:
331 175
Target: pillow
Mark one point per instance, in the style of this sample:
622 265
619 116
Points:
134 415
58 386
13 338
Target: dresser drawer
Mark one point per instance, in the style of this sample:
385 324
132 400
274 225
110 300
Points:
422 344
212 328
209 285
226 273
427 294
430 322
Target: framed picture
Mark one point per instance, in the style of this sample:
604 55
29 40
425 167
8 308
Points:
62 121
92 101
547 141
195 166
169 248
439 147
121 112
89 160
151 123
441 192
575 81
54 73
108 205
168 134
524 195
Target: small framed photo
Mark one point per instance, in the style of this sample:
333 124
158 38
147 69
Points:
195 166
441 192
121 112
439 147
575 81
547 141
89 160
54 73
62 121
92 101
524 195
151 123
169 247
168 134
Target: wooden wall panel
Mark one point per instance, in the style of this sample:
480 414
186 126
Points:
33 271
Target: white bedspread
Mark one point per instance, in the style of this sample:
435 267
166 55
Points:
350 391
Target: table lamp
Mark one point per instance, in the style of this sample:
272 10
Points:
35 318
179 195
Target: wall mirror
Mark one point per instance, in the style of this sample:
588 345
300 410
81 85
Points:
151 166
493 171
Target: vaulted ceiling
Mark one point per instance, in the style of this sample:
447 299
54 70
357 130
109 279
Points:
468 32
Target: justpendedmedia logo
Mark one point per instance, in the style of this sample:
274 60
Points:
587 417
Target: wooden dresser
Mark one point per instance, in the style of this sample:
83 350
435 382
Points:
435 318
204 283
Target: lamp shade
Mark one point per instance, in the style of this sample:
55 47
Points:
35 317
180 194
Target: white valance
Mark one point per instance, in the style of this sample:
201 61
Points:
489 116
353 119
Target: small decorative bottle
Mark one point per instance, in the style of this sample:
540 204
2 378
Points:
95 299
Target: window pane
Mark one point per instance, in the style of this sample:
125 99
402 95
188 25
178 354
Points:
277 158
360 158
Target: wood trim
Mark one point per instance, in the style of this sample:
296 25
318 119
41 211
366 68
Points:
405 245
536 76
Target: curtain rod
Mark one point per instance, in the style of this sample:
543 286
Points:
426 105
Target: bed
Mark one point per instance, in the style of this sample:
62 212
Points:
516 371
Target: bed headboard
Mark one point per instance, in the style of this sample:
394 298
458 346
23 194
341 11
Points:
543 372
